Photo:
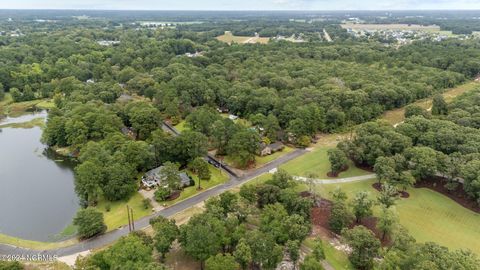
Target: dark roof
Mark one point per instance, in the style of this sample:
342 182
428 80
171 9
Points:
276 146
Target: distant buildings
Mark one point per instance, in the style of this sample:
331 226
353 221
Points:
108 42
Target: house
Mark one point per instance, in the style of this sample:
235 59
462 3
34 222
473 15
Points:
272 148
154 178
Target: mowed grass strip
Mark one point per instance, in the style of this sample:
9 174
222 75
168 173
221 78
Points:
117 215
317 162
398 115
428 215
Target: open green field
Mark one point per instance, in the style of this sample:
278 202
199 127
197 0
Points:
428 215
229 38
117 216
317 162
218 177
398 115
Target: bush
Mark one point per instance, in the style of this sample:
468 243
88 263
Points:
107 208
89 222
146 203
162 194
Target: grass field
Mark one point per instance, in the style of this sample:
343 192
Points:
117 216
218 177
229 38
398 115
14 241
318 163
428 215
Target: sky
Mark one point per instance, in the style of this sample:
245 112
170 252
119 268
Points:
241 4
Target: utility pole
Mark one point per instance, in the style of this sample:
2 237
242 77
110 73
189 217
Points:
133 222
129 224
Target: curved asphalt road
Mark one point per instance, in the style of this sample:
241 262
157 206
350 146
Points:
111 236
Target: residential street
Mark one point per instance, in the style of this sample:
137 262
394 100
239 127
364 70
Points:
111 236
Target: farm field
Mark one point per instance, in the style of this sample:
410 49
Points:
229 38
428 216
317 162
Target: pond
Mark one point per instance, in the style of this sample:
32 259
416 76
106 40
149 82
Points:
37 197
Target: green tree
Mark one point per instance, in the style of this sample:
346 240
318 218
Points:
129 252
265 252
282 179
221 262
387 221
190 145
88 177
243 254
89 223
202 236
200 167
310 263
338 160
202 119
166 231
318 251
293 248
388 195
365 246
362 205
243 146
439 106
340 216
144 119
170 176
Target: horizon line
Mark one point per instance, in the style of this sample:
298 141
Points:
238 10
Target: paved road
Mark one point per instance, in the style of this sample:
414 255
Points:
110 237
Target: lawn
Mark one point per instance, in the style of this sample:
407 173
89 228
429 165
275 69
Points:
428 215
14 241
317 162
117 216
218 177
260 161
336 258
